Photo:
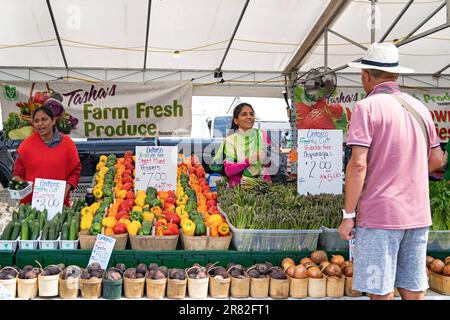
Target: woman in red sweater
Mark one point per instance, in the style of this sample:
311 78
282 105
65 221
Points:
47 154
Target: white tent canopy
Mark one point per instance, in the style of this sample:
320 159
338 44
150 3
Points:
254 43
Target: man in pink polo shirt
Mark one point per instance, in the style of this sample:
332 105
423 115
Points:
394 147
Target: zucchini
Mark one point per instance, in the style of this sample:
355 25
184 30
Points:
36 230
65 231
24 230
73 230
30 227
64 215
51 231
15 216
44 232
16 231
7 231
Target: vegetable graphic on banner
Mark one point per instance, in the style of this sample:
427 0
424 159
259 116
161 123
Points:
320 114
18 126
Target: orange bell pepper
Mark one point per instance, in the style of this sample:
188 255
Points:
213 232
223 229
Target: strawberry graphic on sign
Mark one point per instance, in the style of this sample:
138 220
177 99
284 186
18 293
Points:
319 115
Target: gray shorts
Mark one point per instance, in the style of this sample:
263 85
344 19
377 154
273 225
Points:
388 259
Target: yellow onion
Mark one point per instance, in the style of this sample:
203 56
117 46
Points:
290 271
300 272
446 271
318 256
314 272
286 263
305 260
338 259
324 264
429 260
437 266
447 260
333 270
348 271
310 264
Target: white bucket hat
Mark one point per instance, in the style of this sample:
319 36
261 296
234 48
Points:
381 56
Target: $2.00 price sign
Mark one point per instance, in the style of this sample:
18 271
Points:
319 161
48 194
156 167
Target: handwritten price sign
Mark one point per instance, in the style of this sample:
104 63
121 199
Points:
156 167
48 194
319 161
102 250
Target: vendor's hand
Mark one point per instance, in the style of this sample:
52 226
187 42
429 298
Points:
346 229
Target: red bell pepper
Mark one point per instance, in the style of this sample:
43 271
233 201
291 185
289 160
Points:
172 217
120 228
122 214
170 230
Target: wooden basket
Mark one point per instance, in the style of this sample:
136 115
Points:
349 288
298 288
68 288
207 242
87 240
121 241
91 288
259 287
10 284
335 287
197 288
317 288
279 288
27 288
134 288
439 283
176 289
240 287
219 288
156 288
153 242
48 285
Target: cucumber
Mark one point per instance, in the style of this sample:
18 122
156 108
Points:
73 230
15 216
51 231
44 232
24 230
45 214
16 231
64 215
36 230
30 227
7 231
41 221
65 231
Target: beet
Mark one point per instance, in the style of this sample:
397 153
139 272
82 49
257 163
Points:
130 273
140 275
152 266
254 273
159 275
121 267
141 268
262 268
164 270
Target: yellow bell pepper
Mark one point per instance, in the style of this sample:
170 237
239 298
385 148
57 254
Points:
182 200
183 220
94 207
141 193
103 158
133 227
121 194
99 166
125 221
86 222
98 194
214 220
180 209
188 228
85 211
184 214
137 208
148 216
109 222
140 200
180 191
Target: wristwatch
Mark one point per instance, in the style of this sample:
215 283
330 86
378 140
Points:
349 215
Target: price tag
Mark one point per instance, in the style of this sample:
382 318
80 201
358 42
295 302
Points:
156 167
102 250
4 294
351 249
319 161
48 194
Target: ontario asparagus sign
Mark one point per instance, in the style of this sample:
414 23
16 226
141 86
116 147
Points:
101 110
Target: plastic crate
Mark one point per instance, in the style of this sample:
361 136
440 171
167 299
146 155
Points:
28 244
330 239
6 258
20 194
438 240
273 240
79 192
68 244
8 245
49 244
